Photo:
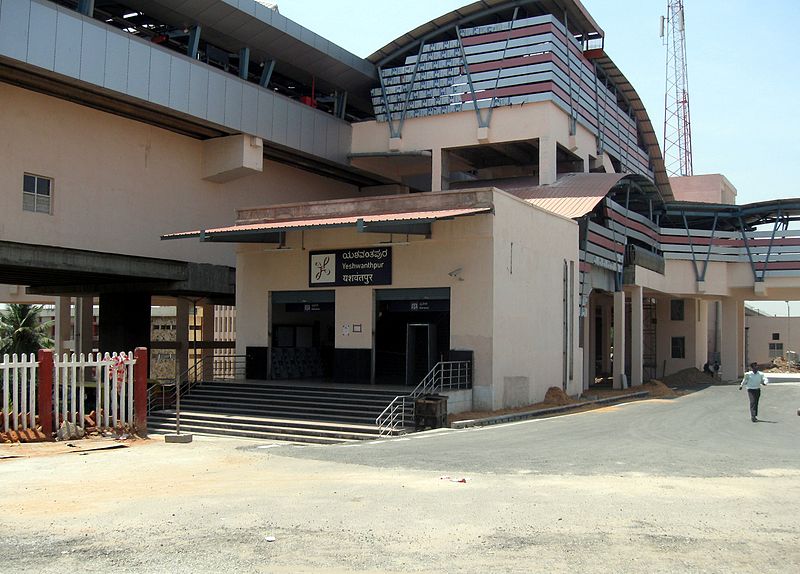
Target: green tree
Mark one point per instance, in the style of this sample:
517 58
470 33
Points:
22 330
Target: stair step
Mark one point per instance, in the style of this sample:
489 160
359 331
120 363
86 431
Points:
271 411
283 431
251 434
365 402
235 419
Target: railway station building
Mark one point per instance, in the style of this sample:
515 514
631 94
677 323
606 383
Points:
487 188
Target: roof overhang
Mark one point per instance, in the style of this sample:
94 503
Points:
411 223
298 52
723 216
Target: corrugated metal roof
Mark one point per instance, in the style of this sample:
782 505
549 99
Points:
344 221
572 196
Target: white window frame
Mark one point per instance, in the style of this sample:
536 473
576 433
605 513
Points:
36 200
775 350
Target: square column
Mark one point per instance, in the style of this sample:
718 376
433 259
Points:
183 307
588 348
732 335
84 335
440 170
63 316
637 336
207 336
605 342
619 339
548 161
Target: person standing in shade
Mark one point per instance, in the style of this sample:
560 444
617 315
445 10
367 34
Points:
753 380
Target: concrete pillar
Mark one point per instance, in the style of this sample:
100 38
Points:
619 339
63 324
84 325
605 343
124 321
207 335
637 336
183 307
588 348
547 160
732 336
436 169
701 334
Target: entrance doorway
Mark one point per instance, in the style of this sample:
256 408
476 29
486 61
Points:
302 341
412 333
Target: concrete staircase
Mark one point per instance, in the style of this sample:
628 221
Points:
267 411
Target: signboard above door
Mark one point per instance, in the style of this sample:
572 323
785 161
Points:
350 267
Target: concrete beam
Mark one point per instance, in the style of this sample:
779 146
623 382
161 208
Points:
22 256
229 158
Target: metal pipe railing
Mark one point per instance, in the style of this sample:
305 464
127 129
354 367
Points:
445 375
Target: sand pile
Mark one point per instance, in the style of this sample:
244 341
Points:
556 396
658 389
690 376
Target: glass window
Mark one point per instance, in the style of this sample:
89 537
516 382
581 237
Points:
776 336
678 347
676 309
775 350
36 193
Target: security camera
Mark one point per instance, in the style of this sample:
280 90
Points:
456 273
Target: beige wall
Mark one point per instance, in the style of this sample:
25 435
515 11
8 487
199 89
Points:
528 302
507 319
119 184
463 242
694 329
511 123
710 188
759 336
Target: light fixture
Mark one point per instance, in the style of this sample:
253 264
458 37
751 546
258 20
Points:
130 14
456 273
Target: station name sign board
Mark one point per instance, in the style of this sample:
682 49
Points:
350 267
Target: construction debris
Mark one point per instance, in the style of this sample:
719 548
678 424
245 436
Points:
780 365
69 431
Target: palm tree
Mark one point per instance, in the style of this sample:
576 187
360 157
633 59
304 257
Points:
22 330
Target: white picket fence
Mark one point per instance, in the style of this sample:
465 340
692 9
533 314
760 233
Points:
111 375
19 391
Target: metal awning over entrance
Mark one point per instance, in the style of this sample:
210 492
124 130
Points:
410 222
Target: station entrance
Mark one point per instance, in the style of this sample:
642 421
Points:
412 333
302 335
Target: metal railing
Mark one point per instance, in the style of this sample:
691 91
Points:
444 376
166 394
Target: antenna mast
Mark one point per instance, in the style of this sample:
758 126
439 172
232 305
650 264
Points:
677 124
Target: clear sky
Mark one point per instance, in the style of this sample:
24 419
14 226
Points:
742 68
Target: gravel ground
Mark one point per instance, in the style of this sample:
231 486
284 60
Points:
687 485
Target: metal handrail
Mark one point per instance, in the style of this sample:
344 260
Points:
445 375
190 376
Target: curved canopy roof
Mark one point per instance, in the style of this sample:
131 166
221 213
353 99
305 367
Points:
646 130
579 22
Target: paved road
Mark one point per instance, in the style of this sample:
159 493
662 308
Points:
689 485
704 434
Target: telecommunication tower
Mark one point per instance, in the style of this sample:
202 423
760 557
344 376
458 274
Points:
677 123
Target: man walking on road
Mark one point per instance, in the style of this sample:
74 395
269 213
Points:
753 380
